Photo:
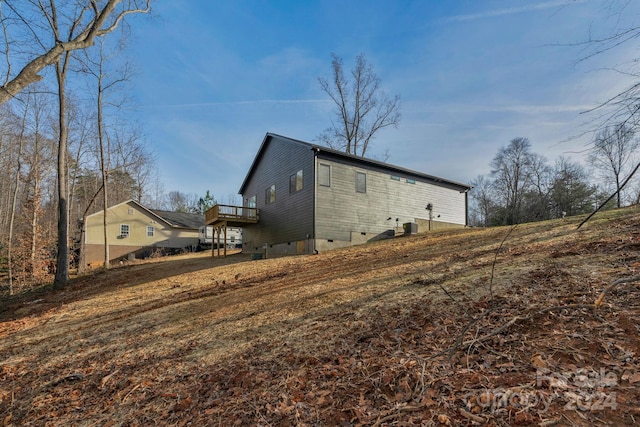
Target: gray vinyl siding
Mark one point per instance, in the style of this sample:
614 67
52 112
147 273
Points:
290 217
341 210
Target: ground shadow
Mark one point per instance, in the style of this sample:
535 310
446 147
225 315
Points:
96 282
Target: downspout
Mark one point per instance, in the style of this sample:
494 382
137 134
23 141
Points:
466 207
315 197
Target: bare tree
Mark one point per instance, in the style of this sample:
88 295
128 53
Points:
132 159
105 81
613 150
8 119
90 19
182 202
512 173
623 108
537 191
62 254
57 31
40 153
482 201
361 108
14 196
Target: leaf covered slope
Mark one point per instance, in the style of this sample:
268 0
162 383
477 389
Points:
470 327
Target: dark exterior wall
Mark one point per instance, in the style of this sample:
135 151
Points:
344 215
290 218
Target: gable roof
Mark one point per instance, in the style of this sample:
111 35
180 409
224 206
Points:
172 219
341 154
180 219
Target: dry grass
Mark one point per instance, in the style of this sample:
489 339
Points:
348 336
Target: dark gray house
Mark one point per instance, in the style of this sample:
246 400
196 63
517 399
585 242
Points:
304 198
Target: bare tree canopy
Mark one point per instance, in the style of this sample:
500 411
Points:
522 188
511 168
620 111
90 19
361 107
613 150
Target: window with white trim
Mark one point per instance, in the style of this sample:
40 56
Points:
150 231
124 231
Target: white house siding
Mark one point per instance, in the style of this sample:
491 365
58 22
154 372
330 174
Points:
344 215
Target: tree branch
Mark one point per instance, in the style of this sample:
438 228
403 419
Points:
610 197
86 38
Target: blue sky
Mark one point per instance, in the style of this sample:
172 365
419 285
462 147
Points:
215 76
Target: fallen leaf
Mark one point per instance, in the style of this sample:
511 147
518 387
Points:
538 362
634 378
443 419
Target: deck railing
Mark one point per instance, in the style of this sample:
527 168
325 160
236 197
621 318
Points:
232 213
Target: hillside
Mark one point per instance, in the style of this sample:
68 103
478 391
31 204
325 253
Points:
467 327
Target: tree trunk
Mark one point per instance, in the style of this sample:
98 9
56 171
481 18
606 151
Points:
103 168
62 262
34 222
35 182
82 257
14 201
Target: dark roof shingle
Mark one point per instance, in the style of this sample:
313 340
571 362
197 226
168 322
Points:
180 219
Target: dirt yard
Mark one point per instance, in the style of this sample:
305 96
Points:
503 326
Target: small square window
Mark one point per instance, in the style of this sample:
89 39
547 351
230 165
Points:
150 231
395 177
411 181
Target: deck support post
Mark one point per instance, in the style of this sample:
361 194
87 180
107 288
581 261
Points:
220 216
225 238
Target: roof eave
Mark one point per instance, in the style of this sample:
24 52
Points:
318 148
462 186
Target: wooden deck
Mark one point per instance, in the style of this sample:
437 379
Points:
233 216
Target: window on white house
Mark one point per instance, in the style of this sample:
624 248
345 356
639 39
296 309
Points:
324 175
124 231
411 181
361 182
270 194
295 182
150 231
